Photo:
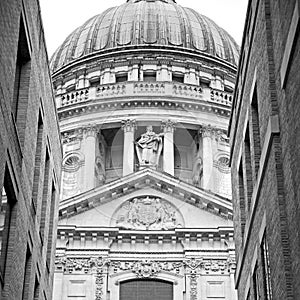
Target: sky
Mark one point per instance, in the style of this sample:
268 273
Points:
61 17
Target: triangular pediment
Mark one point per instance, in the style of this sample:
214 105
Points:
143 182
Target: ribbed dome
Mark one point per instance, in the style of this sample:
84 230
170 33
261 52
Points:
147 23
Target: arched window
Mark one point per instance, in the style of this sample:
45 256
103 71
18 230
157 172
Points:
146 289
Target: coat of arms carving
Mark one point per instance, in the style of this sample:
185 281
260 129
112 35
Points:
148 213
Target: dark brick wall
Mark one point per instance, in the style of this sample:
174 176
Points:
17 154
278 186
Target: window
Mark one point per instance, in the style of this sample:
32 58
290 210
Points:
255 132
51 225
22 81
149 76
121 77
146 290
178 78
27 273
248 170
37 163
7 201
45 195
266 268
242 201
36 294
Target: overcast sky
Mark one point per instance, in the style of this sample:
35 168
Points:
61 17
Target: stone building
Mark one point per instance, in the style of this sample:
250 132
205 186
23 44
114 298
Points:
265 160
144 93
30 156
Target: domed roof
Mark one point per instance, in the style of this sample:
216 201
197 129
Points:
147 23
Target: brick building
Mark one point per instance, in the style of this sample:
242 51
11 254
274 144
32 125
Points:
30 155
265 147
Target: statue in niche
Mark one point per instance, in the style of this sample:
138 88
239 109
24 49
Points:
148 213
149 147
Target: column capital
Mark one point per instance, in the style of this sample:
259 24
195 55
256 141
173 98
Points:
128 125
90 130
213 132
168 125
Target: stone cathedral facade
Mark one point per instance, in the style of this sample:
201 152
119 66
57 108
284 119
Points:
144 95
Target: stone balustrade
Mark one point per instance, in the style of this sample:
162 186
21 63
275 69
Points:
221 97
136 89
70 98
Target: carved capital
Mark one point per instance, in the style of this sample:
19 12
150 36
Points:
90 130
207 131
128 125
168 125
71 136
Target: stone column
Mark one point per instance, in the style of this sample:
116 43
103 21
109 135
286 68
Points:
89 150
128 127
207 157
168 149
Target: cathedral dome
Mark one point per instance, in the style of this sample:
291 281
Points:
148 24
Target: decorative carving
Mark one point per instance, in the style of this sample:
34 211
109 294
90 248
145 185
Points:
168 126
146 268
76 264
128 125
193 263
193 286
149 147
148 213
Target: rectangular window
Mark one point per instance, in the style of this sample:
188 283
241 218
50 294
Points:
51 225
21 83
178 78
36 294
7 201
27 275
149 76
45 196
121 77
255 132
266 268
37 163
248 171
242 201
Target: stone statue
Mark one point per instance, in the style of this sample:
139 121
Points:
149 147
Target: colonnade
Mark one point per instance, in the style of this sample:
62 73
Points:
206 134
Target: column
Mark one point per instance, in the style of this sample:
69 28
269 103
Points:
128 127
207 157
89 150
168 149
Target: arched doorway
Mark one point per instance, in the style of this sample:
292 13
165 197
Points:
146 289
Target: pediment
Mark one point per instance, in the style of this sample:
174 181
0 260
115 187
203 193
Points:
107 198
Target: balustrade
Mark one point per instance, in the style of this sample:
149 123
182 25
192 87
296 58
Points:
221 97
132 89
75 97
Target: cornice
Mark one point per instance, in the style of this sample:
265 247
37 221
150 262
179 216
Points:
161 182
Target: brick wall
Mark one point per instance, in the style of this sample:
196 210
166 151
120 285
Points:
274 211
25 274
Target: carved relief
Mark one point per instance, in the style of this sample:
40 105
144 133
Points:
148 213
149 147
147 268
